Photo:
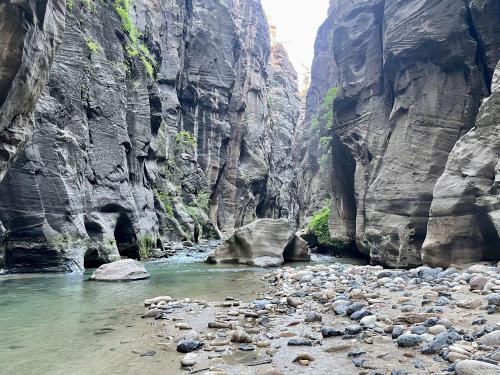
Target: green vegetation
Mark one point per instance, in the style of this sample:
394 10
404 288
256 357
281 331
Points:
70 4
166 199
92 45
319 226
89 5
122 7
202 201
318 233
146 243
147 64
326 110
134 48
322 123
186 138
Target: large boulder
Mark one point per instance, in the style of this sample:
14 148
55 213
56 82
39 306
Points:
122 270
262 243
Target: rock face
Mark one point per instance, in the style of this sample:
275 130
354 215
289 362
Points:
466 195
155 126
121 270
263 243
30 32
410 78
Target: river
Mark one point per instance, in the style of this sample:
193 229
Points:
56 324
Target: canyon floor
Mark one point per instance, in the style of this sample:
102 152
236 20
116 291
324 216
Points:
338 319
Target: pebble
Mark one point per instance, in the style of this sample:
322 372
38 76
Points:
437 329
313 317
491 339
368 320
187 346
409 340
241 337
332 331
353 329
189 360
471 367
299 342
293 302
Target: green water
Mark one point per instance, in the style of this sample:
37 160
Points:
63 324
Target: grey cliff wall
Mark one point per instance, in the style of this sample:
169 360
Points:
410 77
30 32
154 128
464 222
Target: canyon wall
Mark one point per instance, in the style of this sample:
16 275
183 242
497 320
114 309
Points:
410 79
155 127
30 32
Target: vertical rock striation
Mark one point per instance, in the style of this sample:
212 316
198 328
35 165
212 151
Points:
30 32
410 78
464 222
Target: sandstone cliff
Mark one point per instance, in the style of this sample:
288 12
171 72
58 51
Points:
410 78
155 126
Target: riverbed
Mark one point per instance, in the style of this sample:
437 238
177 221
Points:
63 324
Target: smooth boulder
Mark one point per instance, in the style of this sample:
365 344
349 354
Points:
262 243
122 270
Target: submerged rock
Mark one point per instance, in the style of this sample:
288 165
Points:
262 243
122 270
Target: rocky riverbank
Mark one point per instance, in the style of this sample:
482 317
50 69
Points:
342 319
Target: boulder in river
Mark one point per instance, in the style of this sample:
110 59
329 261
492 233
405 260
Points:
122 270
263 243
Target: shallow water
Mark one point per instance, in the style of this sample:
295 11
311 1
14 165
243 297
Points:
63 324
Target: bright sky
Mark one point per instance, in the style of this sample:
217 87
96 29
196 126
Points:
297 23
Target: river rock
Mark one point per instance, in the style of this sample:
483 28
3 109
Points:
313 317
188 346
491 339
470 367
478 282
409 340
122 270
494 299
263 243
189 360
300 341
241 337
332 331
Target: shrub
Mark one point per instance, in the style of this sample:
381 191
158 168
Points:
166 199
122 7
319 226
70 4
186 138
146 243
202 201
92 45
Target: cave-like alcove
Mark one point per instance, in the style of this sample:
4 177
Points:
126 240
92 259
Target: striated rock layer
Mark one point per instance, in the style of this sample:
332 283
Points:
410 77
464 222
154 127
30 32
